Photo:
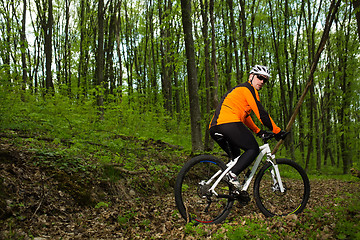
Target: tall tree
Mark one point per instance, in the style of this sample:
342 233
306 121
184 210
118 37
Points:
109 74
164 10
243 34
67 52
345 86
118 45
356 5
233 39
205 32
192 77
23 45
45 13
83 49
6 35
100 59
214 85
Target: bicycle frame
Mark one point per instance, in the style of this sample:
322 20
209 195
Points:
264 150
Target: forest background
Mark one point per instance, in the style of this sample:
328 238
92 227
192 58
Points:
118 83
121 66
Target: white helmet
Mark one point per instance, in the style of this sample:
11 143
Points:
261 70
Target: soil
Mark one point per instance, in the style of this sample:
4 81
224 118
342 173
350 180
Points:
40 202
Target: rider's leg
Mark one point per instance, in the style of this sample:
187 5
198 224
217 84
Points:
220 135
238 136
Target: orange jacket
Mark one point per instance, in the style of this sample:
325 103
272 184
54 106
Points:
237 105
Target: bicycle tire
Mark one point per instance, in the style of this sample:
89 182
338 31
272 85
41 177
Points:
268 197
197 207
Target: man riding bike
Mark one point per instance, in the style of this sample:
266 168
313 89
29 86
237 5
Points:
231 122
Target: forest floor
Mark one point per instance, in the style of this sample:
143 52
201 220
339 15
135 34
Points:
40 202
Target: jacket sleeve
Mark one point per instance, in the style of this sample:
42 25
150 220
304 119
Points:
260 112
250 124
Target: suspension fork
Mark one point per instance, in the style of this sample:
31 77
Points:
275 174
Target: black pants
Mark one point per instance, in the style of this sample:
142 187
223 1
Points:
236 136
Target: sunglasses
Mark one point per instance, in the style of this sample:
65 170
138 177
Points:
262 78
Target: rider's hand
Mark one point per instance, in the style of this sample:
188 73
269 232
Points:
264 134
281 135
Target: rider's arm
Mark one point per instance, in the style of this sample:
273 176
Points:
254 102
250 124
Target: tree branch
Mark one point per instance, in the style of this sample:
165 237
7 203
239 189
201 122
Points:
329 20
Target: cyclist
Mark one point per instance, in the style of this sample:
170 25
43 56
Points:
231 122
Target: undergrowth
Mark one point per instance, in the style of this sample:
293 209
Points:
61 118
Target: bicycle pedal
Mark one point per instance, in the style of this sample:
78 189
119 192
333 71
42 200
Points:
243 197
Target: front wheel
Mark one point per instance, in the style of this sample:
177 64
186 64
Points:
270 200
193 199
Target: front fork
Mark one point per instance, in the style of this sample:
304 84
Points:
275 174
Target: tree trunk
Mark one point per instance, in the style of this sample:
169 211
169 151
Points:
317 132
100 59
164 50
153 83
81 67
346 101
276 40
48 27
128 53
311 126
205 32
192 77
23 50
215 82
227 56
356 5
243 35
233 39
67 49
5 54
118 46
109 49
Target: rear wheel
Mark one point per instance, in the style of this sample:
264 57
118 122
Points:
270 200
194 201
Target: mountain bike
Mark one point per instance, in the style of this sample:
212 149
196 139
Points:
204 195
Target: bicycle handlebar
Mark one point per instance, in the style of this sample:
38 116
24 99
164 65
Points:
269 135
266 137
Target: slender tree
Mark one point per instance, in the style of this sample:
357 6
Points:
6 37
214 85
23 45
192 77
356 5
45 13
164 10
100 59
118 30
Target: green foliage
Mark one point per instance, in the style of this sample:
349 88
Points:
102 205
197 230
64 119
348 218
248 230
126 217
